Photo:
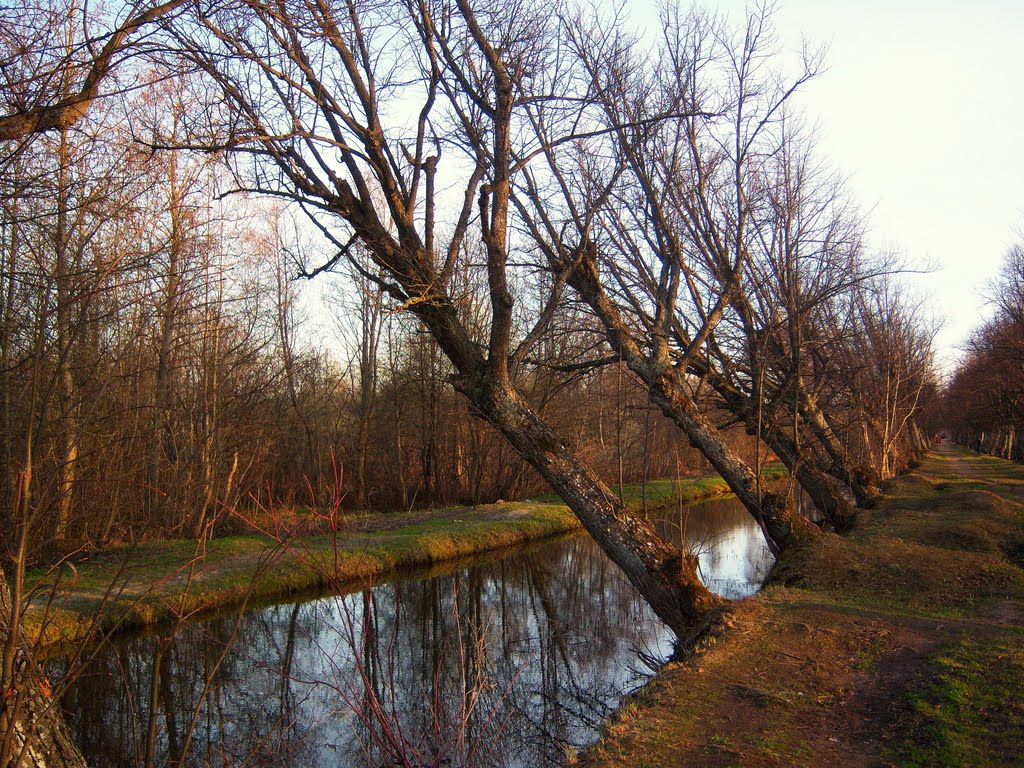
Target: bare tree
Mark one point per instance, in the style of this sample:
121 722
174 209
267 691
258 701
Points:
658 244
805 255
335 76
49 86
890 360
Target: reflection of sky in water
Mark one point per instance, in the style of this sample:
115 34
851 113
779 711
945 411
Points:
734 559
531 652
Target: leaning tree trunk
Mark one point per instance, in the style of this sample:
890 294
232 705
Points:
33 733
780 523
823 489
864 490
664 576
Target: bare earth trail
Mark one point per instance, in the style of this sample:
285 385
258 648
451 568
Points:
957 464
901 644
983 468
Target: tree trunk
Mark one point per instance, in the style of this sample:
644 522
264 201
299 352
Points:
67 390
369 340
33 733
161 436
823 489
840 468
210 451
8 286
664 576
403 486
779 522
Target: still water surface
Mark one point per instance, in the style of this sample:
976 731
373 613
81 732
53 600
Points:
512 662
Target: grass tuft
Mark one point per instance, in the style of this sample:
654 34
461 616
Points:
965 709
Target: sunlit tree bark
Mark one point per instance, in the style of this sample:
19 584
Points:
28 106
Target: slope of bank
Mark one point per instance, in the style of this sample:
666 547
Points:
901 644
160 581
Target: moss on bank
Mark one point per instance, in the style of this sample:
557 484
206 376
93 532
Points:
163 580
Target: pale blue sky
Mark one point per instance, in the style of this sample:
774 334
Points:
922 108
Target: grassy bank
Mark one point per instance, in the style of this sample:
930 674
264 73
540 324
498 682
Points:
901 644
160 581
663 493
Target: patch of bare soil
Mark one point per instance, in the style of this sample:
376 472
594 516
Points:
1004 612
962 468
792 684
957 464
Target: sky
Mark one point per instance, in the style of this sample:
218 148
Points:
921 108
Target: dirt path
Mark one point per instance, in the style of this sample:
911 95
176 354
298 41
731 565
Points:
980 468
900 645
957 464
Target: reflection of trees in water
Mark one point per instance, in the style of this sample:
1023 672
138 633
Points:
734 559
501 664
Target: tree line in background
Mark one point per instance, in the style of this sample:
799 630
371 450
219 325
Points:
160 366
554 252
984 400
624 253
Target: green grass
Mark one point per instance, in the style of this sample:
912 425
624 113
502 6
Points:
966 710
663 493
936 546
163 580
940 545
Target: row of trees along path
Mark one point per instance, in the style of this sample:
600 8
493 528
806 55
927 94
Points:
661 200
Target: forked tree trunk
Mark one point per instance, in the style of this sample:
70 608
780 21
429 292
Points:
781 524
823 489
863 492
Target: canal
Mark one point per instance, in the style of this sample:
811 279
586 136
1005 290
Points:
514 661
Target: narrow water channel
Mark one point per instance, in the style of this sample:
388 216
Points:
513 662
